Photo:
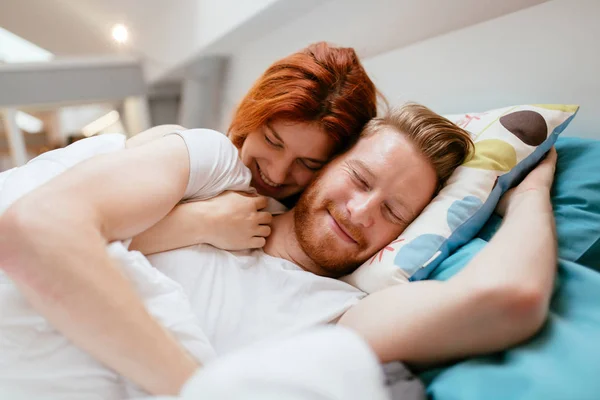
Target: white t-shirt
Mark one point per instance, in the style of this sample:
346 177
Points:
215 165
245 296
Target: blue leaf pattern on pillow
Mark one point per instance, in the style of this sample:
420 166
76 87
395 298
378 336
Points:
462 210
417 252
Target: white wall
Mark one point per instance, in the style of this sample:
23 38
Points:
164 111
451 65
371 27
219 17
545 54
187 26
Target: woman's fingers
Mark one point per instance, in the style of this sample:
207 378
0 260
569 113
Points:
263 230
257 242
264 218
260 202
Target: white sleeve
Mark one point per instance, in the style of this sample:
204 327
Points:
215 165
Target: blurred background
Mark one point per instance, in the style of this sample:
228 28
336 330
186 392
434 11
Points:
76 68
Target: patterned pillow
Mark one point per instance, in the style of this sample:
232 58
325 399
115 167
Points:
509 142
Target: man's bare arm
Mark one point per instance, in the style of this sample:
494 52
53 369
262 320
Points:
53 245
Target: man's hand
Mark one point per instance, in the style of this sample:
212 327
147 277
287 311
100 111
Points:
538 182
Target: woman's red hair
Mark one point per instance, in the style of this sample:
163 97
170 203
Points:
320 84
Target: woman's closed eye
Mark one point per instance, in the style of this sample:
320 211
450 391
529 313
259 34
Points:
311 165
272 142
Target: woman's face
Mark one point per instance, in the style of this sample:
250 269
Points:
284 156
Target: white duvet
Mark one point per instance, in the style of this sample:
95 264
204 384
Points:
38 362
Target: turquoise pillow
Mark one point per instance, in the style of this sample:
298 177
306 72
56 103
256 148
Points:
576 200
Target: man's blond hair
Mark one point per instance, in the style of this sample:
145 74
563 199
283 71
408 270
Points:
443 143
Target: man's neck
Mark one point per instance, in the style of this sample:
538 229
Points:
283 242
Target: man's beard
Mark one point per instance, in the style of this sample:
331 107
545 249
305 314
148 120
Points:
318 241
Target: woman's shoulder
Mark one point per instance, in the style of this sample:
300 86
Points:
203 134
208 142
190 136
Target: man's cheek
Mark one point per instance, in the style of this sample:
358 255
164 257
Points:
376 245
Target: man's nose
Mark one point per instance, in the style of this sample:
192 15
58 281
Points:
361 208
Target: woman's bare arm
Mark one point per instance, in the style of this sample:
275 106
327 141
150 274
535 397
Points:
53 245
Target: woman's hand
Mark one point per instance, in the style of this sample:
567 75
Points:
230 221
235 221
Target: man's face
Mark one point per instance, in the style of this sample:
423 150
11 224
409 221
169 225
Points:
363 200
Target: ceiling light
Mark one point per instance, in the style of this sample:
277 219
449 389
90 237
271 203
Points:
120 33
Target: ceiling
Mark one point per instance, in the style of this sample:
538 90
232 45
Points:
168 35
162 33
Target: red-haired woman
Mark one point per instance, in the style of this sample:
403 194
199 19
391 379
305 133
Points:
302 111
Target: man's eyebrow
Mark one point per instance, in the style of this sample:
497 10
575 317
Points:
275 133
364 168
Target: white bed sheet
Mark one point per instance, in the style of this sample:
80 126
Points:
325 363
